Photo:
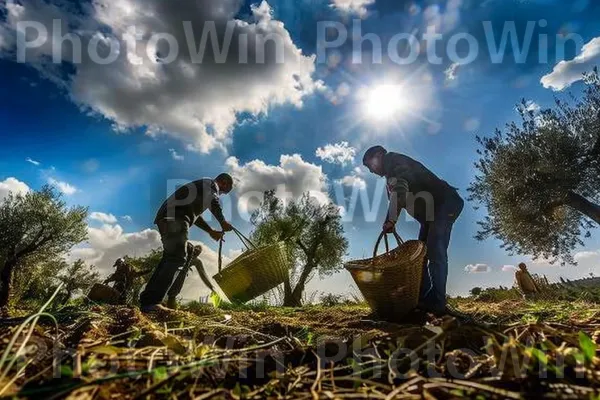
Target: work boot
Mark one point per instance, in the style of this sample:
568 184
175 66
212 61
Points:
152 308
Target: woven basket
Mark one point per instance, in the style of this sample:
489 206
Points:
255 272
103 294
391 282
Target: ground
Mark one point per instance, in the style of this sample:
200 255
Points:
202 352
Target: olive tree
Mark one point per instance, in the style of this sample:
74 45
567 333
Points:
540 179
314 236
36 225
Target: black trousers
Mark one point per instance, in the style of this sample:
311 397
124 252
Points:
174 236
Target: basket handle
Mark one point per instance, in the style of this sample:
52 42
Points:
245 241
383 235
220 254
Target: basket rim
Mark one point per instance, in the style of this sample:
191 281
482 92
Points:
244 255
367 263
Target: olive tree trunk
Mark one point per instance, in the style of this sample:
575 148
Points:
584 206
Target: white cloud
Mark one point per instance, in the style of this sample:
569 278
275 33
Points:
195 102
109 242
176 156
338 153
291 178
353 180
452 72
103 217
358 7
126 218
586 255
12 185
64 187
532 106
477 268
509 268
31 161
565 73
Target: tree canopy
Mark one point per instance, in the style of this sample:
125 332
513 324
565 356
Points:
36 225
540 179
313 233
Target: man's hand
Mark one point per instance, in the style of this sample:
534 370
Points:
389 227
226 226
216 235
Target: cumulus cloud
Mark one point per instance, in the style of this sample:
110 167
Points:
338 153
31 161
176 156
358 7
64 187
103 217
290 179
12 185
353 180
126 218
477 268
109 242
565 73
194 94
587 255
509 268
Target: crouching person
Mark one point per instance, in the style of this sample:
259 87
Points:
192 261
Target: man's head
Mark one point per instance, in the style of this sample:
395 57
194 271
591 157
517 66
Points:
193 250
373 159
225 183
523 267
119 262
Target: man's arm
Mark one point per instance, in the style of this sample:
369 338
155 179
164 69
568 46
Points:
202 224
217 211
111 278
398 187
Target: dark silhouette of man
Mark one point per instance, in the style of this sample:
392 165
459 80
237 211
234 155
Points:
433 203
174 218
123 278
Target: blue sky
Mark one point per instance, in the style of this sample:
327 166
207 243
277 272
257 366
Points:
116 137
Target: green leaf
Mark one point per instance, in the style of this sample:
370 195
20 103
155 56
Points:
540 356
159 374
215 299
66 371
587 345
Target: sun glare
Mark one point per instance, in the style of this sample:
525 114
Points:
384 102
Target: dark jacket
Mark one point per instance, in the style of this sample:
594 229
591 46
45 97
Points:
190 201
415 188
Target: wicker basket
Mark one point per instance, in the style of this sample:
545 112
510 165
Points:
255 272
103 294
391 282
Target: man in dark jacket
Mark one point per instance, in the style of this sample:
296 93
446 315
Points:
174 218
432 202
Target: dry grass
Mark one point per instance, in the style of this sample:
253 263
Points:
309 353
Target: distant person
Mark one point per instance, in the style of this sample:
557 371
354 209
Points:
193 252
525 281
433 203
123 278
174 218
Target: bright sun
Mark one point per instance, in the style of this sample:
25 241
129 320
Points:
384 102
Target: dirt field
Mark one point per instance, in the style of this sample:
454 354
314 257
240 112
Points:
315 352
